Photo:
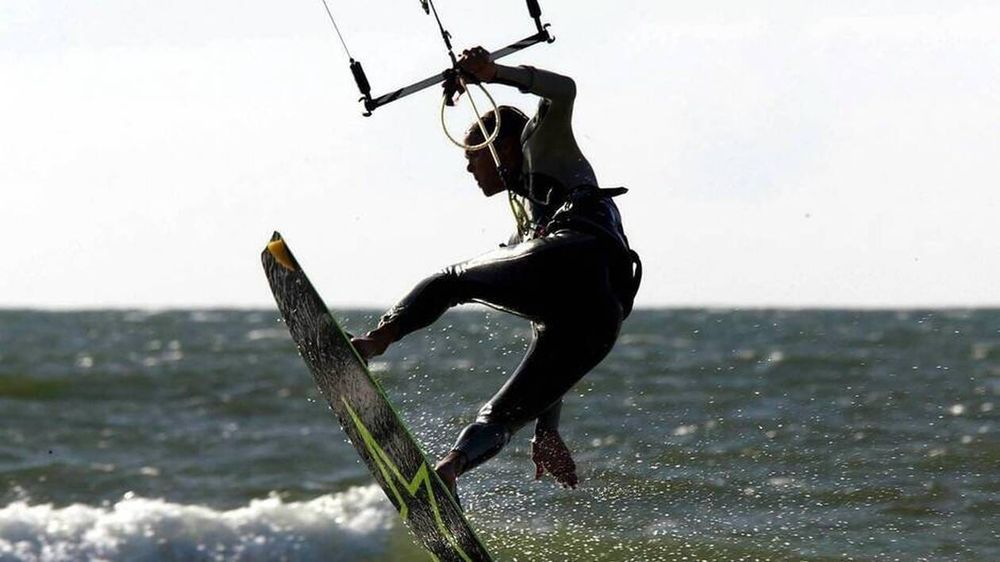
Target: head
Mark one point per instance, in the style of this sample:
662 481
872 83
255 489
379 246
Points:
507 143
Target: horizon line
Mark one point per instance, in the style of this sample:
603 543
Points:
192 307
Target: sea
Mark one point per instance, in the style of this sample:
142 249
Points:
707 435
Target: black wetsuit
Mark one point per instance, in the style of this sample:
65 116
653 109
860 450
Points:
573 276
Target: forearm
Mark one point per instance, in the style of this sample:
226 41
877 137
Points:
549 85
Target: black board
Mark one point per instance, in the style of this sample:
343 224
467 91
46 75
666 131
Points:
394 458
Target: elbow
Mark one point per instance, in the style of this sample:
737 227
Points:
570 87
567 88
550 85
563 91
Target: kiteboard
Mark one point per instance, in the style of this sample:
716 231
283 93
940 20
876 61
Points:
390 452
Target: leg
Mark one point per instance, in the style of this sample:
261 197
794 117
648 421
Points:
536 280
561 282
556 360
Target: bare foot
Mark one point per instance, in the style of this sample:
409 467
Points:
376 341
447 474
551 455
449 469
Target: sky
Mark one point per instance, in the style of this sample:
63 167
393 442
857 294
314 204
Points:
778 153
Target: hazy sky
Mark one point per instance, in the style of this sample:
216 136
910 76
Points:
782 153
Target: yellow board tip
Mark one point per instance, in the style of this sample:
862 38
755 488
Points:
280 253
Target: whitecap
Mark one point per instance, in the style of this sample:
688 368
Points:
351 525
267 334
683 430
204 316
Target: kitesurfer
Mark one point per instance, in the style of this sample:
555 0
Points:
569 270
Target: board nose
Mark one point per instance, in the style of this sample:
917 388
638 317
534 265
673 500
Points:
278 250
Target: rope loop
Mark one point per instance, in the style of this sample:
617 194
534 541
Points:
489 138
516 207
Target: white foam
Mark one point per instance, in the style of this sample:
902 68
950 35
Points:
267 334
352 525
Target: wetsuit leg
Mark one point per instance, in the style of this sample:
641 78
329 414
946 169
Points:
544 280
558 357
561 283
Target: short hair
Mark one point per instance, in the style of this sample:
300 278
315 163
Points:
512 122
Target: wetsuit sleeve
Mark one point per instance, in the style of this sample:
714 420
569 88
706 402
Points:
556 88
551 154
549 420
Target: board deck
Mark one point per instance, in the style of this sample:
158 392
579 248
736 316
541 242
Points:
393 456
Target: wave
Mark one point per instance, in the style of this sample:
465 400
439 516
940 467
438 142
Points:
351 525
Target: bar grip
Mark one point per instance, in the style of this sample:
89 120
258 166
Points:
534 9
360 79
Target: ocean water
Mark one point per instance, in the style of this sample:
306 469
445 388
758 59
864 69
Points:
707 435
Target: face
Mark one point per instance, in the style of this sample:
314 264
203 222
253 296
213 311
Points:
484 170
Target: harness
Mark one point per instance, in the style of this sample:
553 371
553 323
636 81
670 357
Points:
627 285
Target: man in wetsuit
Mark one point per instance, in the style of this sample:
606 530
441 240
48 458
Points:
569 270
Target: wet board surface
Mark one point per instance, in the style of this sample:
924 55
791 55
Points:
394 458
